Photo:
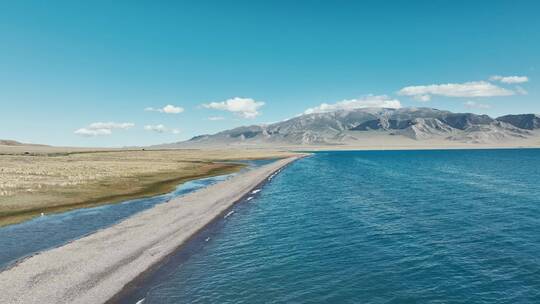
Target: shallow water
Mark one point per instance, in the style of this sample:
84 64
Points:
374 227
49 231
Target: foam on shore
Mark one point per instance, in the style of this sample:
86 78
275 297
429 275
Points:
94 268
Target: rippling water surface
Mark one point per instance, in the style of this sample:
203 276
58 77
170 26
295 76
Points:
374 227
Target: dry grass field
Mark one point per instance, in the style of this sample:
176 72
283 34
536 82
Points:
38 179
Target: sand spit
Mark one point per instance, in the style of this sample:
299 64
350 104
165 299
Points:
94 268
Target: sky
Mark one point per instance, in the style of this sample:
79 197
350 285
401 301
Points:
122 73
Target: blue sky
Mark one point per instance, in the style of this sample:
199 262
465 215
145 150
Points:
82 73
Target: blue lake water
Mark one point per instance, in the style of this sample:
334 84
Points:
374 227
21 240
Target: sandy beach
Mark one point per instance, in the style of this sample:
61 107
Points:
94 268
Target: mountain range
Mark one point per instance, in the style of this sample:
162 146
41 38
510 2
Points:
347 127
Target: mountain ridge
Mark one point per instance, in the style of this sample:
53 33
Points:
348 126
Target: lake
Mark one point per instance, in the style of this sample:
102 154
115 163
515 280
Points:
456 226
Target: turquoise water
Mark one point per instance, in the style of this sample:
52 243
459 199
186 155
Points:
373 227
42 233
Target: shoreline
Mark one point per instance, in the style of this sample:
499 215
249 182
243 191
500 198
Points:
97 267
338 148
188 248
157 188
355 149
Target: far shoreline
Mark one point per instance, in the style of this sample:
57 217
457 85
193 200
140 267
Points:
465 148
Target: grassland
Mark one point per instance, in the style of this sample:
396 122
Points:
35 180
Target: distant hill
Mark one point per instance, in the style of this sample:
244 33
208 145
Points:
347 127
9 142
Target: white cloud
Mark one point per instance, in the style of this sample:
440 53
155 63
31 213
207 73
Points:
103 128
509 79
521 91
214 118
475 105
369 101
168 109
160 128
422 98
467 89
156 128
89 132
245 107
111 125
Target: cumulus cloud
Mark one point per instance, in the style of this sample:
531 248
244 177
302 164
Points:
168 109
475 105
111 125
89 132
369 101
103 128
245 107
160 128
509 79
467 89
214 118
